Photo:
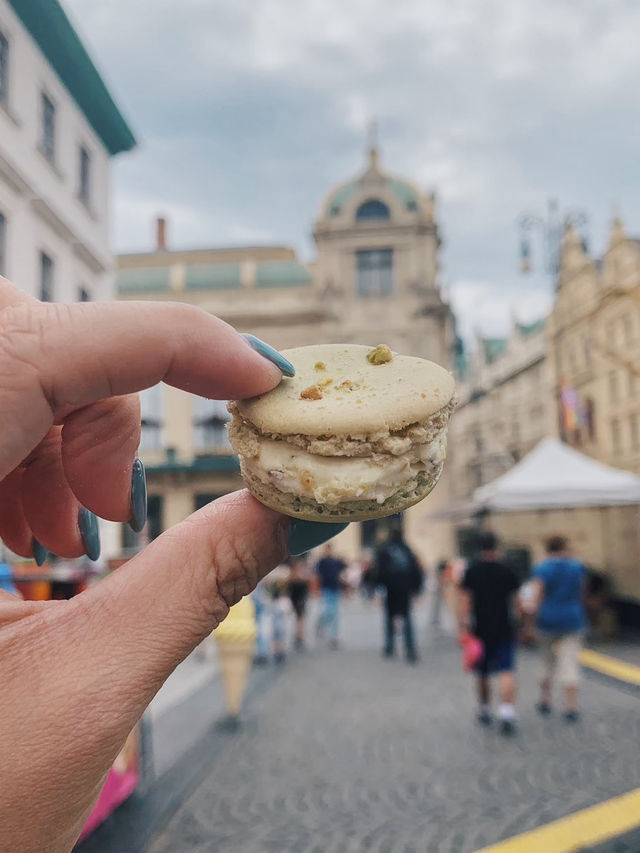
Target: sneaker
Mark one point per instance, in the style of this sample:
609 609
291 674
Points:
507 728
571 716
484 717
543 708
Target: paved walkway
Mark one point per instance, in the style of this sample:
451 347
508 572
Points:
345 751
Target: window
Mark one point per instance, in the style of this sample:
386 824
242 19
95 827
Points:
634 430
615 436
3 244
48 117
632 383
83 294
374 272
209 425
4 69
84 183
151 418
627 325
613 386
372 209
46 278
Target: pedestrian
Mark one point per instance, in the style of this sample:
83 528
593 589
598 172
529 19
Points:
330 572
260 598
484 596
438 585
298 590
401 575
561 620
6 580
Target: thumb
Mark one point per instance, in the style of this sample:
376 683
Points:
175 592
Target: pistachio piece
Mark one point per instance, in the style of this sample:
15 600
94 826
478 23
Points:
326 380
319 365
379 355
311 393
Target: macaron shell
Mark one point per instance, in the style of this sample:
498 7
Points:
360 398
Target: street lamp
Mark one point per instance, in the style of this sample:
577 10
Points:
552 228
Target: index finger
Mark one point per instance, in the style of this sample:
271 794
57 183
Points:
56 358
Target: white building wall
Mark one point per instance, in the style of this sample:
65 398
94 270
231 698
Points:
40 199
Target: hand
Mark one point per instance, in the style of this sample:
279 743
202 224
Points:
76 675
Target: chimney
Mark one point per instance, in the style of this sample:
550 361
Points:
161 234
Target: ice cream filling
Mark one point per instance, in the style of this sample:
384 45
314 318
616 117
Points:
331 480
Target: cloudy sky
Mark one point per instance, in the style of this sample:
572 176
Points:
247 111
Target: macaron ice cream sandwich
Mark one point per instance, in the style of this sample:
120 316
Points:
358 433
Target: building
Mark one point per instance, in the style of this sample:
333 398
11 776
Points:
374 280
505 406
594 349
59 128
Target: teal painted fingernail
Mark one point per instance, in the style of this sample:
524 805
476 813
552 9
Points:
88 524
305 535
40 553
271 354
138 497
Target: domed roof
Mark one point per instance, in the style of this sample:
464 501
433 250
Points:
405 193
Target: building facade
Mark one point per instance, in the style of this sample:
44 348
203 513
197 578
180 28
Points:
59 128
505 406
594 349
374 280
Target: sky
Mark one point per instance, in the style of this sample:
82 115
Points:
248 111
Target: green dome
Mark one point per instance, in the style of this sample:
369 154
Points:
403 191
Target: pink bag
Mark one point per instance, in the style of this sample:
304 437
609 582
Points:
472 651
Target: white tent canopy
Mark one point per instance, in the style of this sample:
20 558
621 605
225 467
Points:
554 475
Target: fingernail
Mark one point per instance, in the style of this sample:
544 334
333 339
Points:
88 524
40 553
138 497
305 535
271 354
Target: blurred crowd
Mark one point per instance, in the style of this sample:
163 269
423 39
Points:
483 601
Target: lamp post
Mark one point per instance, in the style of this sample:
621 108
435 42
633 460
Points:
551 228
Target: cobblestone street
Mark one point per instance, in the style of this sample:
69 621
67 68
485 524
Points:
345 751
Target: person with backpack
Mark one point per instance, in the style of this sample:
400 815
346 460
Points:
400 574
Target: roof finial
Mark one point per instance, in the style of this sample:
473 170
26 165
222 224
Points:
373 144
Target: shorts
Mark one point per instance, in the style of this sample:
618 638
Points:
560 653
497 657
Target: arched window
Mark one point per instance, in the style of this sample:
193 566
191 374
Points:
372 209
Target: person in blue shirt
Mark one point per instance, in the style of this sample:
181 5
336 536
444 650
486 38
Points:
6 580
561 620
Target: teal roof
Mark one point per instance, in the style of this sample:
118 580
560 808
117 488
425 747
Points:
530 328
207 462
143 279
212 276
281 274
493 348
53 33
403 191
340 197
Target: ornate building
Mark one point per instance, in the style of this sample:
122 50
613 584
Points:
594 349
375 280
506 406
